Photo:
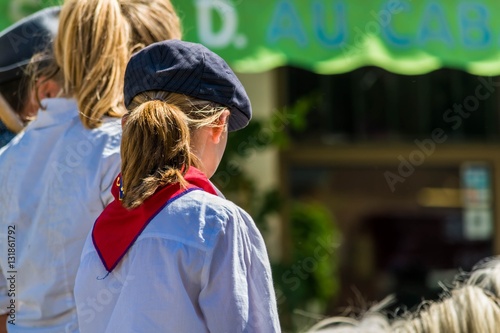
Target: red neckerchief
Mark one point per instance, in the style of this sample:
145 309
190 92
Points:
116 229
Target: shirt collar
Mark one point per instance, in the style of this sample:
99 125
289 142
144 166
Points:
117 229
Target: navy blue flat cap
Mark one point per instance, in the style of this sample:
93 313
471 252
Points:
24 39
190 69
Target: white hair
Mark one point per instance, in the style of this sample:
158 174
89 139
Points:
472 306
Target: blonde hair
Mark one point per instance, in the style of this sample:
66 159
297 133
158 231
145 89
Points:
467 309
372 321
156 141
472 306
94 42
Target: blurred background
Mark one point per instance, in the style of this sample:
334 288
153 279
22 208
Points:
373 160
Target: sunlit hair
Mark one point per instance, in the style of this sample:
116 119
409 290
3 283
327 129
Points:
156 141
467 309
373 321
151 21
94 42
486 274
472 306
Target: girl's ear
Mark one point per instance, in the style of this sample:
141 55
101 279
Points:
221 127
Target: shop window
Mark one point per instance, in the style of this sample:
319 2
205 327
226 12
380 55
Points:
408 244
371 104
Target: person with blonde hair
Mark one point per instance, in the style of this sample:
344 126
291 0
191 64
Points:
472 306
57 174
170 253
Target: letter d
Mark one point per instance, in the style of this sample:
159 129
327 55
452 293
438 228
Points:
229 18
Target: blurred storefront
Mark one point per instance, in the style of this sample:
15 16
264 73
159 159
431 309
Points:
402 141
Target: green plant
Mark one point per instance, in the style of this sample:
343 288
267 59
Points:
307 280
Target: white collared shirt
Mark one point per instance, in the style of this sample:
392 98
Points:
55 178
199 266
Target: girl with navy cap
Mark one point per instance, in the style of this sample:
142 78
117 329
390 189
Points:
170 254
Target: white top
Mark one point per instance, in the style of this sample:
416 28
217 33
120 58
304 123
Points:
199 266
55 178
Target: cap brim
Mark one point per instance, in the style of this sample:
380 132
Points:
237 120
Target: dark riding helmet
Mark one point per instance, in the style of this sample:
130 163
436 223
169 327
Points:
22 40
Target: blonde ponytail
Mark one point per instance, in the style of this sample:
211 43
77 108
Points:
156 150
95 41
156 142
92 51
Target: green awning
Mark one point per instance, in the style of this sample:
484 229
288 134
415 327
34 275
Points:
336 36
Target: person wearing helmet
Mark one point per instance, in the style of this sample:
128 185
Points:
26 44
